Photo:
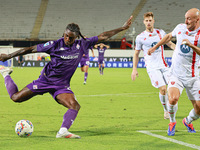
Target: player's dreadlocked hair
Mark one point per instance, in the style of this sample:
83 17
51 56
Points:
75 28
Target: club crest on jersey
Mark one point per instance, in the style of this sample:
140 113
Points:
153 44
184 48
173 82
77 46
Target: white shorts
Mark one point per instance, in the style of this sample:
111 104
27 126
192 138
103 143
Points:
193 92
159 77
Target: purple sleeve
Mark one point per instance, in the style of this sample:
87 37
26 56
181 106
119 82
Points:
45 47
88 43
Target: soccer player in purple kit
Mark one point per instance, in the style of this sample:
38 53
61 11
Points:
55 77
101 49
85 62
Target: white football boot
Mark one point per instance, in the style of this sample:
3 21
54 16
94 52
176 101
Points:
64 133
5 71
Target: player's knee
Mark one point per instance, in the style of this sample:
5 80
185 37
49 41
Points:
16 99
163 90
173 99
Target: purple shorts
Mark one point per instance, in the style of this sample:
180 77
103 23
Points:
41 86
84 62
101 61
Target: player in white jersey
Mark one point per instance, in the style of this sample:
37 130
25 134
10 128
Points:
184 70
156 66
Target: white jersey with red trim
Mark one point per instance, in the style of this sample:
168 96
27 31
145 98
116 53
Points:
184 59
145 41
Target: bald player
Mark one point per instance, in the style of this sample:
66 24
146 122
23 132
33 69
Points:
184 69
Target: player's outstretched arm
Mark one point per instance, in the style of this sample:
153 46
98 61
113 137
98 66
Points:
106 35
23 51
134 73
171 45
164 40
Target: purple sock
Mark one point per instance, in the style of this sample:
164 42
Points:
69 118
10 86
85 77
102 69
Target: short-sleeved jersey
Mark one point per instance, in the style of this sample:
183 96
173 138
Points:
101 52
64 59
145 41
184 59
86 56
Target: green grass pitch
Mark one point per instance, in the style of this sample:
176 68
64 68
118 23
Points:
113 110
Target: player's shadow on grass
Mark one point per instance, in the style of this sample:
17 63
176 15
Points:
86 133
92 133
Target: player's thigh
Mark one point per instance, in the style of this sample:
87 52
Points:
68 100
175 89
23 95
156 78
193 92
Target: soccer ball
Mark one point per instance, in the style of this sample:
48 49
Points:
24 128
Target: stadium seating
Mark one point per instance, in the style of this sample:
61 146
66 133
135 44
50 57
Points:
17 18
167 13
93 16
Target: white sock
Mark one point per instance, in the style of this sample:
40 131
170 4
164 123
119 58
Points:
62 130
192 116
172 112
163 100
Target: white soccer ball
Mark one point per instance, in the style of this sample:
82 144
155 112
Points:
24 128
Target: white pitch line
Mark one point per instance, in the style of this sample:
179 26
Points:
171 140
147 93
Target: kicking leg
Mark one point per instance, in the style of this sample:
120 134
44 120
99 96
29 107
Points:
15 95
68 100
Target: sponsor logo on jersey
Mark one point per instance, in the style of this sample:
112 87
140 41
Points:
184 48
70 56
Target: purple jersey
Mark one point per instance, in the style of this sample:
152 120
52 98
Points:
86 56
101 52
64 59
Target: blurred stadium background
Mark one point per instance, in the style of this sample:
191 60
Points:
28 22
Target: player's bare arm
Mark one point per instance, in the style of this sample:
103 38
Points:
164 40
135 62
188 43
23 51
92 53
171 45
106 35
